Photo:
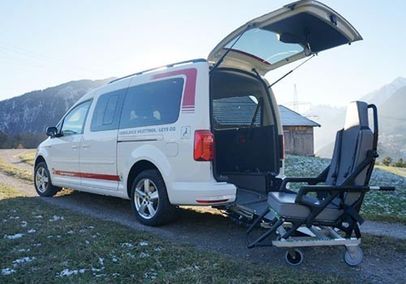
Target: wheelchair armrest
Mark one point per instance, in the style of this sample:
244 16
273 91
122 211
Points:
285 181
383 188
333 192
310 180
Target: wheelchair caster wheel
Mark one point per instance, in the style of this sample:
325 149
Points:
353 256
294 257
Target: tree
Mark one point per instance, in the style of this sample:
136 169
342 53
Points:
400 163
387 161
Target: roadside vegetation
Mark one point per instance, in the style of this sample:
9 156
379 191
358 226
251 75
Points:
388 161
394 170
39 244
20 141
27 157
15 171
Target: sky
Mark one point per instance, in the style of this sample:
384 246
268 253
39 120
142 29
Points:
45 43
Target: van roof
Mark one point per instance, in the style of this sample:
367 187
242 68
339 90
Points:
192 61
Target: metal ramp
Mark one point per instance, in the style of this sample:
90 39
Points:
250 204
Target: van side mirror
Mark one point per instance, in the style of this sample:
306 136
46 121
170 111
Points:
52 131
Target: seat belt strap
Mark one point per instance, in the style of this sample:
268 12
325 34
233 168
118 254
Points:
337 165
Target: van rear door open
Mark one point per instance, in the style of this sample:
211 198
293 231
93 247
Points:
288 34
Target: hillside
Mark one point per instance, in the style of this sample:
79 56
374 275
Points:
34 111
393 125
23 119
384 93
391 102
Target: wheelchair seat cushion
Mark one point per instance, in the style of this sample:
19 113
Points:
284 204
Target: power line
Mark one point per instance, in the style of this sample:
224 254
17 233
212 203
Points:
43 60
391 117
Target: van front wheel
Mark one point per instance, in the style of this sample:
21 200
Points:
149 199
42 181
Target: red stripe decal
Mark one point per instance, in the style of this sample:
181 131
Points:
86 175
190 86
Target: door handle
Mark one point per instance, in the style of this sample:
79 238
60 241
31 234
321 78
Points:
85 146
74 147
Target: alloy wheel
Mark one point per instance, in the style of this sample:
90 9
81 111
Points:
41 179
146 198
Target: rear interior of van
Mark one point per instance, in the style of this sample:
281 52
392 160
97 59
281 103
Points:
245 125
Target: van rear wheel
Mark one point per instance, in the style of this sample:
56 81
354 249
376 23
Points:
149 199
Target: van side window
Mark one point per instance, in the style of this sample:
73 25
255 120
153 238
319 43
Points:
106 111
152 104
75 120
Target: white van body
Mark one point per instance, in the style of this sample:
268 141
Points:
152 119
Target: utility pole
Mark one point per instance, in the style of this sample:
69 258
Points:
297 105
295 99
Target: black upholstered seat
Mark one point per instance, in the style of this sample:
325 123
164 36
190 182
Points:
353 145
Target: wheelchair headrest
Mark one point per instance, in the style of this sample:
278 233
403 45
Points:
357 115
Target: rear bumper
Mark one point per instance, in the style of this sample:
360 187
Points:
202 193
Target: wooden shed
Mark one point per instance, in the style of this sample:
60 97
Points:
297 129
297 132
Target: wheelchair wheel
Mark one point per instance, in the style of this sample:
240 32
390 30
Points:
353 256
294 257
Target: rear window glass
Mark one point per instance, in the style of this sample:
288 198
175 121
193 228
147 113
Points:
106 112
236 112
265 45
152 104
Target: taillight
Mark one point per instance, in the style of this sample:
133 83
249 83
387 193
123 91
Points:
204 145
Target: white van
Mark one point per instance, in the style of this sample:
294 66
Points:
200 132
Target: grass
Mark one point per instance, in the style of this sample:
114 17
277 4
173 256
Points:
377 206
393 170
385 206
57 243
27 157
390 244
14 171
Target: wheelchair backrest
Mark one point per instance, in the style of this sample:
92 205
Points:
354 143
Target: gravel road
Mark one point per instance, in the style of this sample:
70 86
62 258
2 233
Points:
209 230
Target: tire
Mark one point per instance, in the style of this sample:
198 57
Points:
353 256
42 181
149 199
294 257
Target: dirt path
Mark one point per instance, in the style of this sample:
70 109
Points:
208 231
11 156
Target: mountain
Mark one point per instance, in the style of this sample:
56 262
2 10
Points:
392 116
330 118
391 103
23 119
34 111
379 96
